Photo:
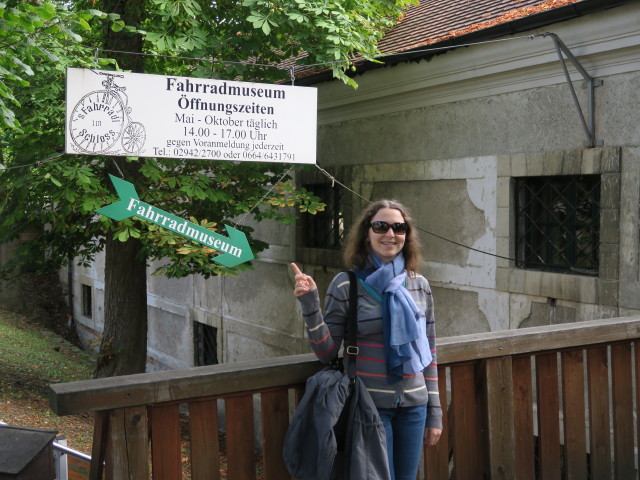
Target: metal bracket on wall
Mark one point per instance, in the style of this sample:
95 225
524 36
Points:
589 82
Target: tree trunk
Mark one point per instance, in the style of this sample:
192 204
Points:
123 346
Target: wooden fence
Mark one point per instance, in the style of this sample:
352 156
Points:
556 402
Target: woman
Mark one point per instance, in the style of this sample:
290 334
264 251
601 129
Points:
396 329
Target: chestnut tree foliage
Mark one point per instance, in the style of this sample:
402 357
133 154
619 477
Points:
56 195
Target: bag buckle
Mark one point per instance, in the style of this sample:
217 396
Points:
353 350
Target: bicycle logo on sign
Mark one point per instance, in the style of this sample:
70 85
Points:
101 118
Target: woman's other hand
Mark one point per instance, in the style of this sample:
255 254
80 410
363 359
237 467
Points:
432 436
304 283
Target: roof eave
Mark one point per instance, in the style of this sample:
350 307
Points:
512 27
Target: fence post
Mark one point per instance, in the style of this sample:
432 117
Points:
60 460
498 391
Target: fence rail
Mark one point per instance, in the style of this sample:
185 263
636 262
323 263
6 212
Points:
545 402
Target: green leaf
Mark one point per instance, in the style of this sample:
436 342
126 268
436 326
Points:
84 24
123 235
83 179
50 55
74 36
47 11
117 26
24 23
26 68
9 117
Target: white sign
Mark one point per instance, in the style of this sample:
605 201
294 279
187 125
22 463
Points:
133 114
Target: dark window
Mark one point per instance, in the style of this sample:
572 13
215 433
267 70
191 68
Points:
558 223
87 301
206 344
325 229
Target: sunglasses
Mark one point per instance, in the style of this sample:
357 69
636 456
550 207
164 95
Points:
399 228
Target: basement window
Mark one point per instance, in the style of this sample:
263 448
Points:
558 223
205 344
87 301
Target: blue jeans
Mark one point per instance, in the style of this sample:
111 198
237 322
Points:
404 427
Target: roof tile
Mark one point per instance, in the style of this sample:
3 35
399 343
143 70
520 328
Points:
436 20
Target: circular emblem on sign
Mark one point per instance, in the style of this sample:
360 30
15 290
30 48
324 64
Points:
101 118
97 121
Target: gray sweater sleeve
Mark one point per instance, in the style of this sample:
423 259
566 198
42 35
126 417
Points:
434 410
327 331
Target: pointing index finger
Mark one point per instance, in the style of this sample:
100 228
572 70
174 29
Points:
296 270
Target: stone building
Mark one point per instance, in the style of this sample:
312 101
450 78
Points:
524 181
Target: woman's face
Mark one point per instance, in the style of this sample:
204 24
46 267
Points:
386 245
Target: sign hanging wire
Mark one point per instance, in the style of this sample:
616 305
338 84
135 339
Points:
292 74
269 192
118 168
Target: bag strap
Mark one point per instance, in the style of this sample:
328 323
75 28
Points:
351 334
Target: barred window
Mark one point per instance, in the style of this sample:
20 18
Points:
558 223
325 229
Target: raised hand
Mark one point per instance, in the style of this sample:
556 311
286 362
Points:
304 283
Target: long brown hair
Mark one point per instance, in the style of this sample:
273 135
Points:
356 250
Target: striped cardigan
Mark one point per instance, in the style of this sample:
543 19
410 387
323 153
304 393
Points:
327 331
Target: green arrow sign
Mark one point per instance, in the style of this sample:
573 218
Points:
235 248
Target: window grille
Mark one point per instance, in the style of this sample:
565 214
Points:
325 229
87 301
558 223
206 344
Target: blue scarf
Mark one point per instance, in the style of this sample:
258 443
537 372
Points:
406 345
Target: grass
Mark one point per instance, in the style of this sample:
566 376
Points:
31 358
